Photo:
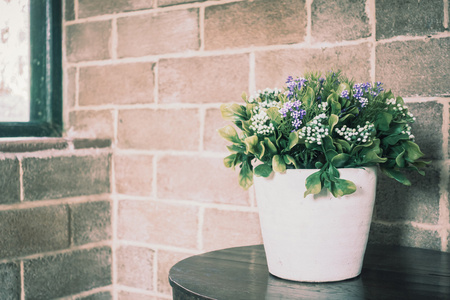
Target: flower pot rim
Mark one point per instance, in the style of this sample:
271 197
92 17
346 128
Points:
342 168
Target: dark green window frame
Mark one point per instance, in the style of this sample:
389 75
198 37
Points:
46 74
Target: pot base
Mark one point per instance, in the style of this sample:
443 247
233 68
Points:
317 238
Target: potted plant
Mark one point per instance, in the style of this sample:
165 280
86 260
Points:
314 149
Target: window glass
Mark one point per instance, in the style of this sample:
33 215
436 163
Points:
14 60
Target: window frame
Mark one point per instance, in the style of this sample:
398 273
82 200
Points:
45 74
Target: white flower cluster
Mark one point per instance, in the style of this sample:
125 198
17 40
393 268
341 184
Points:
400 109
315 130
323 105
408 132
260 94
358 134
363 101
260 122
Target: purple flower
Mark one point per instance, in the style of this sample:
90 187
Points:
345 94
293 110
289 79
296 123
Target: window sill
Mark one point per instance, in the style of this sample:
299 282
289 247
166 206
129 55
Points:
33 144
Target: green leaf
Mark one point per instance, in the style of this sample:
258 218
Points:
244 96
253 146
236 148
343 87
394 139
332 121
414 166
345 145
372 157
293 140
230 134
343 119
383 120
328 143
270 146
309 97
290 160
335 107
233 112
399 100
330 154
313 184
278 164
229 161
340 160
263 170
412 150
274 114
399 160
342 187
318 165
246 176
360 147
246 127
397 175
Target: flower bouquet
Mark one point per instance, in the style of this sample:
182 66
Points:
325 123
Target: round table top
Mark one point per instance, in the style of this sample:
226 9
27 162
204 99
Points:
389 272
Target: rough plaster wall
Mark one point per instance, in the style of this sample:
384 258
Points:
151 75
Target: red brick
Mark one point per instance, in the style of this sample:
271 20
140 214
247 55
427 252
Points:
92 124
223 229
67 176
418 67
68 273
158 33
123 295
88 41
135 267
404 235
259 22
166 260
273 67
90 222
399 17
117 84
158 223
203 79
9 181
10 276
417 203
31 145
71 87
89 8
199 179
30 231
134 174
164 129
333 21
91 143
212 141
69 11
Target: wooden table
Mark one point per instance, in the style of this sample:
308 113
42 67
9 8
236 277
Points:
389 272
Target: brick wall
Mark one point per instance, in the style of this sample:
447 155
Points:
150 76
55 219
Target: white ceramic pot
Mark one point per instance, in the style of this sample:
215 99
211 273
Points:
318 238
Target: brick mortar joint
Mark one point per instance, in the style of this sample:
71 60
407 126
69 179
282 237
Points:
54 202
42 144
153 10
217 53
85 247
